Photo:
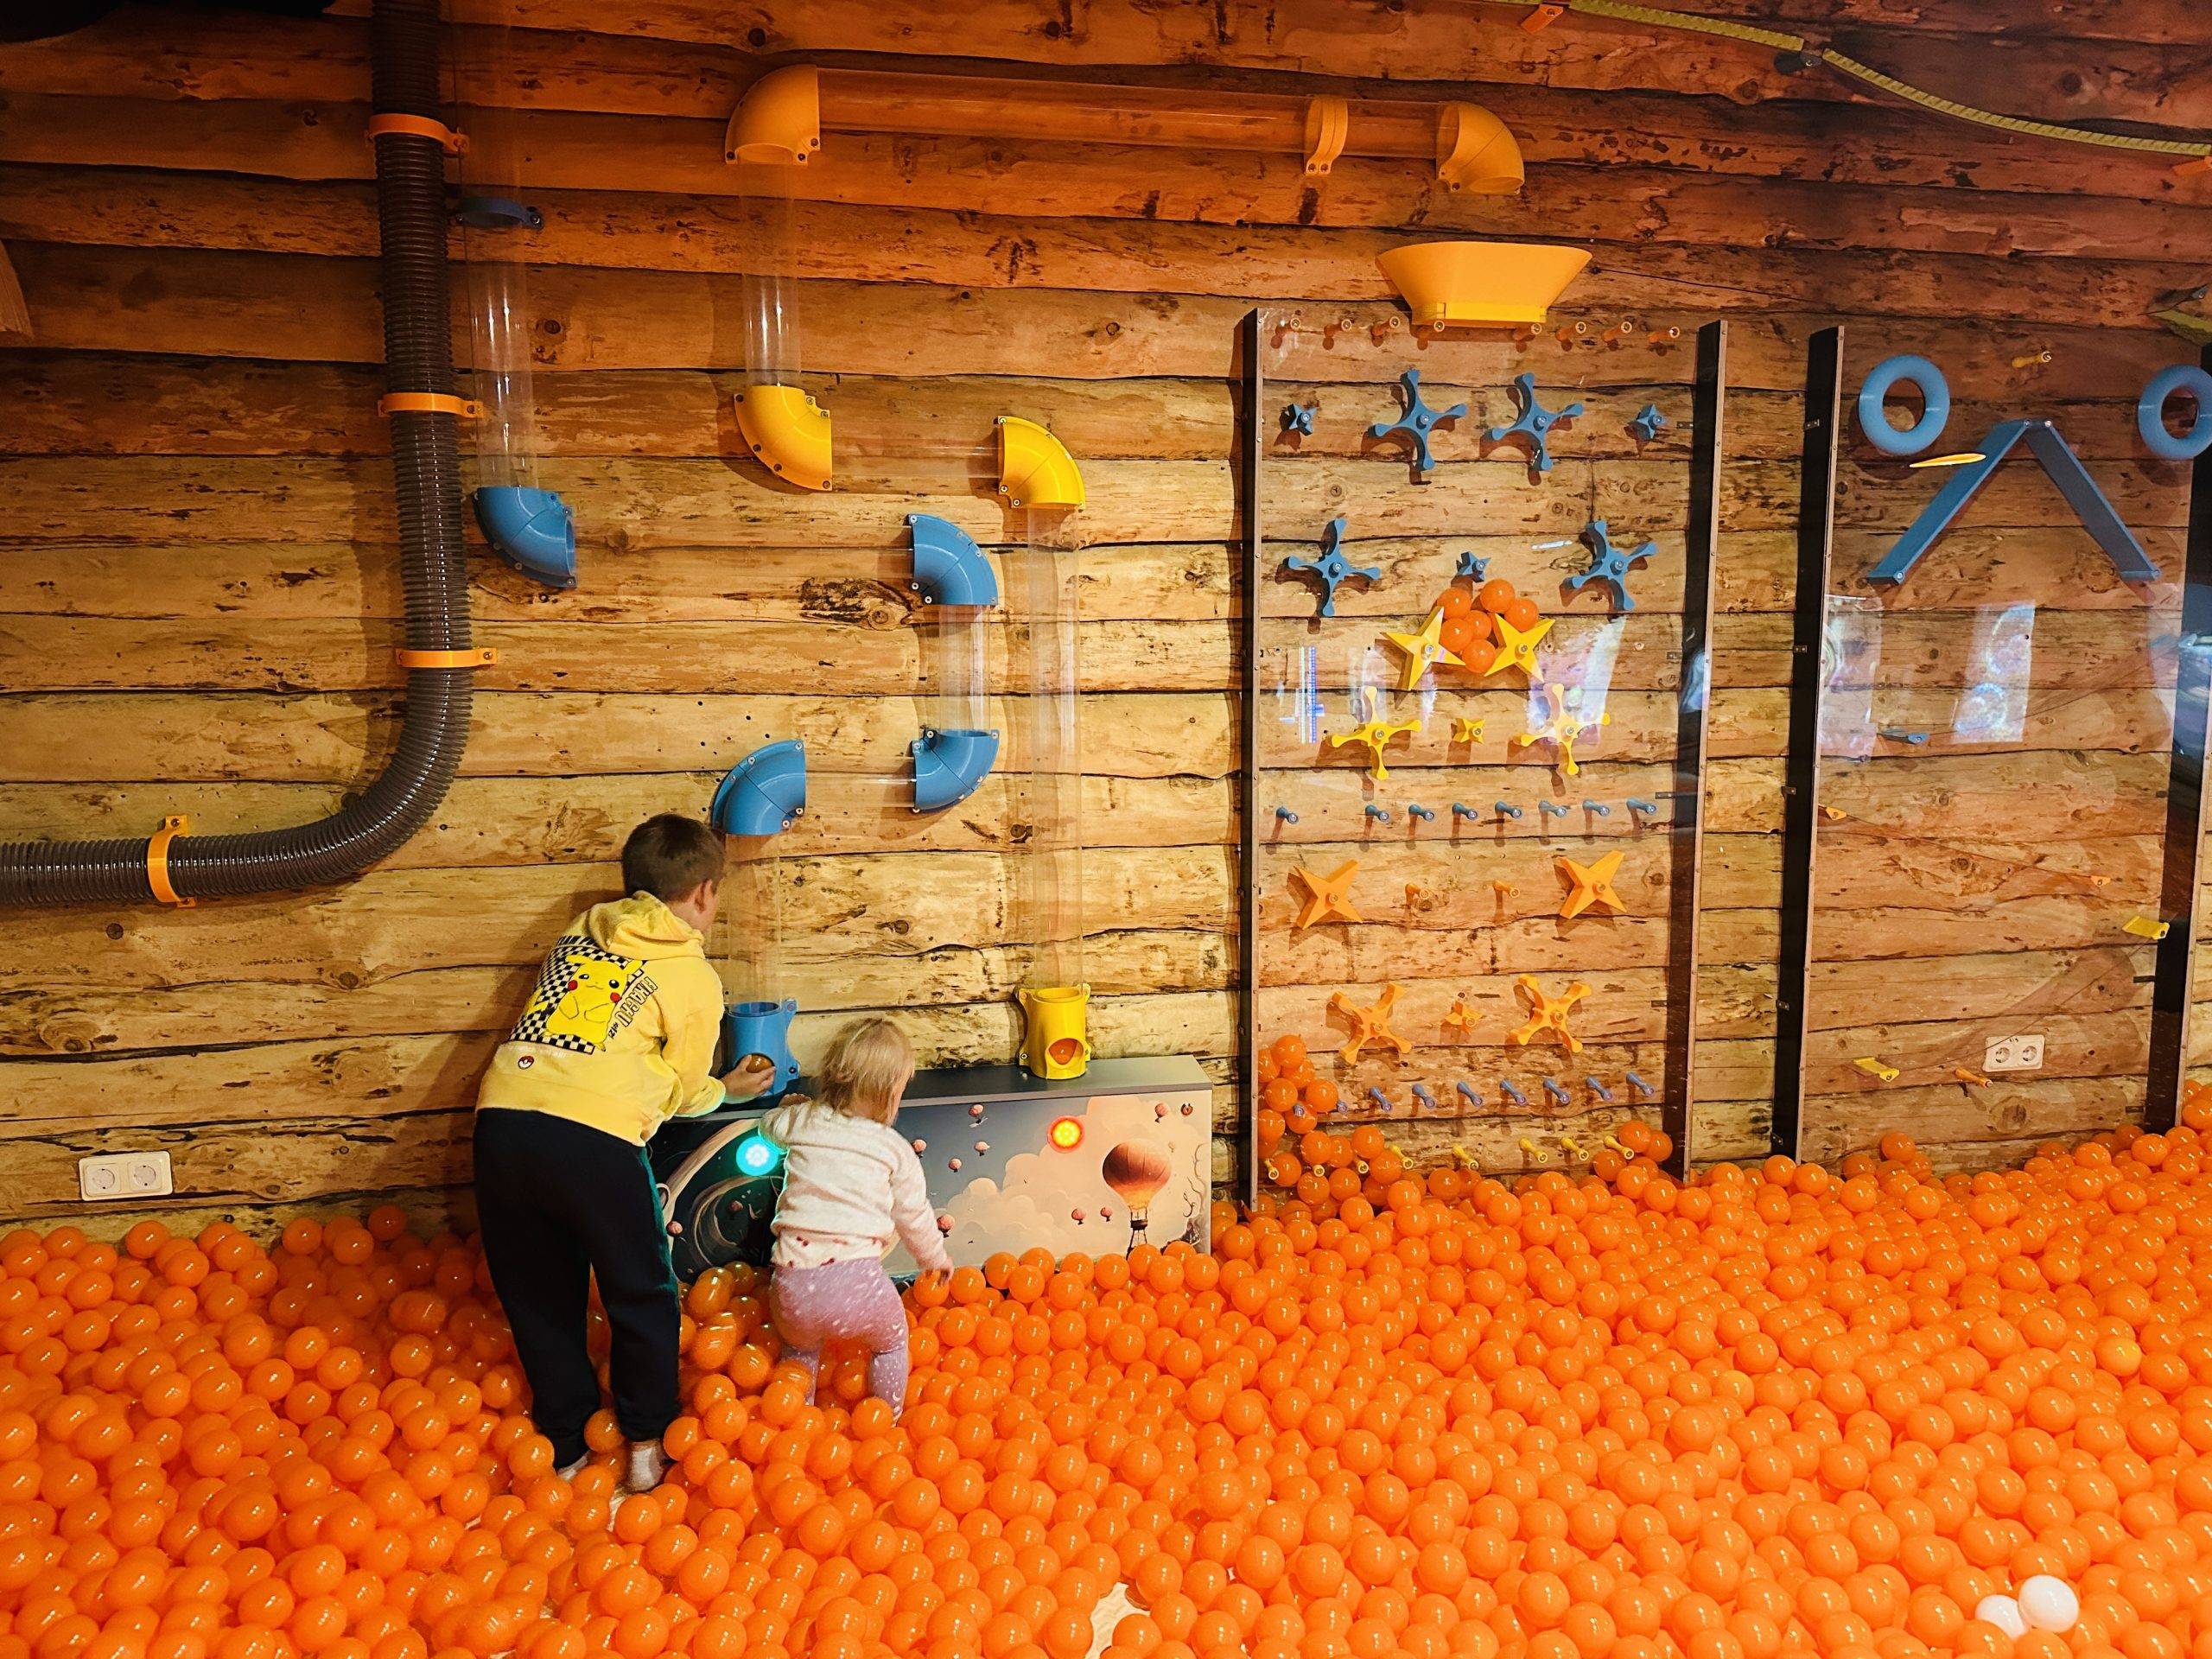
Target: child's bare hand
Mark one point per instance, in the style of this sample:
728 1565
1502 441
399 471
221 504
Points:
749 1078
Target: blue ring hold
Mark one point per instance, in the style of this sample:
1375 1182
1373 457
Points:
2151 413
1935 395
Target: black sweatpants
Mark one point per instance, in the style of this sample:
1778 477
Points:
558 1203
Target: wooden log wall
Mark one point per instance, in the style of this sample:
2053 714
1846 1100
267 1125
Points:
201 592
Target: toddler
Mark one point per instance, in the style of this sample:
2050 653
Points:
851 1186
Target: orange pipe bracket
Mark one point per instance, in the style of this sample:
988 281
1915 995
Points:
418 126
1328 123
157 861
429 403
475 657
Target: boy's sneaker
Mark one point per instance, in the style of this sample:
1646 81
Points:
648 1467
570 1470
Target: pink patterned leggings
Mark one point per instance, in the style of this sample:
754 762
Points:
850 1301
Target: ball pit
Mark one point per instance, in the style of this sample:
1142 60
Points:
1775 1410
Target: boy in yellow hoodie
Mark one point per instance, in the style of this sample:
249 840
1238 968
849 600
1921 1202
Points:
619 1036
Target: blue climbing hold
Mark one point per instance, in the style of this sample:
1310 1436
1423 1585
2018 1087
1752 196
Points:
1599 1090
1419 811
1461 810
1468 1092
1916 739
1637 804
1284 814
1298 418
1557 1090
1413 424
1649 424
1641 1086
1506 810
1512 1090
1380 814
1332 566
1534 423
1598 807
1423 1094
1609 564
1379 1098
1553 810
1474 569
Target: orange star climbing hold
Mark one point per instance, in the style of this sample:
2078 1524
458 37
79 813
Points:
1326 896
1594 885
1422 649
1461 1019
1516 648
1370 1025
1548 1014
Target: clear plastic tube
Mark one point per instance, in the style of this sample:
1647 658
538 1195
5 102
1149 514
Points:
767 296
495 247
1047 880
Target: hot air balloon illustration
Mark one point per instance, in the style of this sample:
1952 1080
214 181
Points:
1136 1170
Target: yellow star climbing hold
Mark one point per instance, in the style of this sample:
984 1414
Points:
1517 649
1562 726
1594 885
1548 1014
1467 731
1325 899
1370 1024
1374 736
1423 650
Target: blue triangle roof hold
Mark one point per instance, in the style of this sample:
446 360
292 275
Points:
2065 469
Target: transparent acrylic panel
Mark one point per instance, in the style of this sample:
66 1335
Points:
1424 827
1994 734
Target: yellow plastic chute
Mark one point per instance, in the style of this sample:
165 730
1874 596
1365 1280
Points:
1055 1044
789 431
779 121
1035 469
1476 152
1474 284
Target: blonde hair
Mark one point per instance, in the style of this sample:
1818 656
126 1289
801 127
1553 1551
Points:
866 1063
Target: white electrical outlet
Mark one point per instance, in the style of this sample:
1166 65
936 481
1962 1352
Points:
117 1175
2014 1054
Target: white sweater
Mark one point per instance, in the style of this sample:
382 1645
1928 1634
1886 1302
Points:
850 1186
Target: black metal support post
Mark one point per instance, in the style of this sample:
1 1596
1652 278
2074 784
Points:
2174 984
1701 545
1800 775
1250 439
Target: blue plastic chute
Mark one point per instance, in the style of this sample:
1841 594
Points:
763 793
762 1028
949 765
530 529
948 567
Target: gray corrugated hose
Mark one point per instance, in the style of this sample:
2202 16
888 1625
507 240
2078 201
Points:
426 477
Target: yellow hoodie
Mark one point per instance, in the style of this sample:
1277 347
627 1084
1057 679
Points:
620 1033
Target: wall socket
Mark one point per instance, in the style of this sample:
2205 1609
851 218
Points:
2014 1054
118 1175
